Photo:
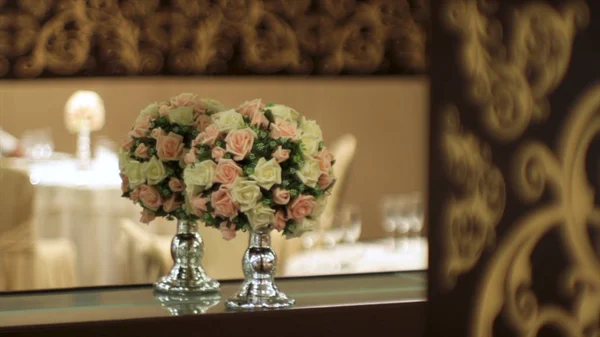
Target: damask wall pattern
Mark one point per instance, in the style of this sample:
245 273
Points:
514 206
57 38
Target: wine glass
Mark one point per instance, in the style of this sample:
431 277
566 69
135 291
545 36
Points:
388 208
352 223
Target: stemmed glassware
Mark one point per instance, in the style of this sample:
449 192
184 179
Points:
402 218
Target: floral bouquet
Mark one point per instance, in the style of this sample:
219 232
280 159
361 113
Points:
258 166
151 159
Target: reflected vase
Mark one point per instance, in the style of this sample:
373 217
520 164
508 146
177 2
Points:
179 305
258 291
187 275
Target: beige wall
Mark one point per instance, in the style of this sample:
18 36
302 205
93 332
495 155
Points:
388 116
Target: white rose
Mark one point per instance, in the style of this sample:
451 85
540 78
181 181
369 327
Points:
133 171
319 208
151 110
246 193
212 105
284 112
228 120
306 225
311 128
267 173
311 144
200 174
124 159
154 171
260 216
309 172
182 116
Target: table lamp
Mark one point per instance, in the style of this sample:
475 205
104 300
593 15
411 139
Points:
84 113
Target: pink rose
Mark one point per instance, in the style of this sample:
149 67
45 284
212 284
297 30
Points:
197 140
279 221
223 203
301 207
163 110
210 135
188 99
190 157
281 196
201 122
124 183
281 154
134 195
284 129
325 158
226 172
217 153
176 185
169 147
141 126
150 197
325 180
147 216
259 119
199 205
227 230
142 151
157 133
126 146
250 108
240 142
172 204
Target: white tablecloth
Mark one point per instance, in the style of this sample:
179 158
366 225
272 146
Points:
84 207
362 257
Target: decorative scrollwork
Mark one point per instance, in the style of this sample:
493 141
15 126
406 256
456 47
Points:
472 213
510 82
571 209
110 37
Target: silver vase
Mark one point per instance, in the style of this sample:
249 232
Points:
187 276
258 290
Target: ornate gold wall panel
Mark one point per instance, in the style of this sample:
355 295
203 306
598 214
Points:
51 38
516 98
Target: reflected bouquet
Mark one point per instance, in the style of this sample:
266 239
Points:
151 159
258 166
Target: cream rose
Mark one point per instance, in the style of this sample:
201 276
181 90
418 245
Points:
133 171
201 174
154 171
212 105
267 173
124 158
310 144
282 112
182 116
260 216
151 110
310 172
228 120
306 225
311 128
246 193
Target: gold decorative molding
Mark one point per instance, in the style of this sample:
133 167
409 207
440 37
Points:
471 214
505 286
511 76
146 37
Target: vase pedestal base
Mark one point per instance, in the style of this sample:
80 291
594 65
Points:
259 294
186 286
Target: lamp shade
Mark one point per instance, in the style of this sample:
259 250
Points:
84 109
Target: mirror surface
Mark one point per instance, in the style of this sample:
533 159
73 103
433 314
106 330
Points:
80 232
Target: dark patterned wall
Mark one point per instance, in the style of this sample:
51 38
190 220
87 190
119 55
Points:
514 204
58 38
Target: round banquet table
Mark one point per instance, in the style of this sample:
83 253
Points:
360 257
84 207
